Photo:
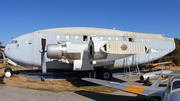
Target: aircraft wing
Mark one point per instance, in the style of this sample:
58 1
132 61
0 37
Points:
136 89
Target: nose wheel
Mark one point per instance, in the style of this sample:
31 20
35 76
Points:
8 72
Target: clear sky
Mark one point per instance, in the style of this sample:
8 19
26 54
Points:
18 17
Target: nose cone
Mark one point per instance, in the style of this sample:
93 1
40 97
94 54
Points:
10 51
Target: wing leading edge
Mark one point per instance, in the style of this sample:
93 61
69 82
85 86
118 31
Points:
136 89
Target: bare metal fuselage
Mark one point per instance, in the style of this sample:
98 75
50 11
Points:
24 50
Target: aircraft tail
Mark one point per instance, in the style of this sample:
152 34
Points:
156 84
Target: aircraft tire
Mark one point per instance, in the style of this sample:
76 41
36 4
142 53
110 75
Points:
106 74
8 72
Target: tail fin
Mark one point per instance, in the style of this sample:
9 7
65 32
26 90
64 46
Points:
156 84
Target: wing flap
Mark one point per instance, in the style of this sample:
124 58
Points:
135 89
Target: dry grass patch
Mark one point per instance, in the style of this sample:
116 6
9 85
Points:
55 86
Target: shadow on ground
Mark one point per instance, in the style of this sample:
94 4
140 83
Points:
108 97
2 80
78 82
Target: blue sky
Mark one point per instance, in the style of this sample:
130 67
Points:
18 17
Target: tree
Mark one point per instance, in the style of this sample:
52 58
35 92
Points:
176 52
0 43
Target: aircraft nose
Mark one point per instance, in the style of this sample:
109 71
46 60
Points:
10 51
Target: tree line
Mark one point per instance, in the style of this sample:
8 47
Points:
176 53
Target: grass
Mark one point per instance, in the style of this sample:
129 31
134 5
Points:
54 86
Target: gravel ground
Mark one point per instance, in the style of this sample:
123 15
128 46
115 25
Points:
8 93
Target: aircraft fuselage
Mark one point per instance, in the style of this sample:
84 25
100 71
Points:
24 50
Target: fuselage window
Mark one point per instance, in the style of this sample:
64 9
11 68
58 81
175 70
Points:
67 37
58 37
85 38
130 39
116 38
109 38
76 37
101 38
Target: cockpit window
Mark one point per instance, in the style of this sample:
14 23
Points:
176 85
13 41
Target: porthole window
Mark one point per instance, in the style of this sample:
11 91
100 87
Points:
58 37
76 37
116 38
131 40
67 37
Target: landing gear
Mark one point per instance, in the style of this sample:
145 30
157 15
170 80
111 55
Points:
104 74
8 72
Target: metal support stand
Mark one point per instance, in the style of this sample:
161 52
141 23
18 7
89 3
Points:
126 68
138 70
129 71
9 65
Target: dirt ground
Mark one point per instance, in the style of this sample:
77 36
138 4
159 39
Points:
55 86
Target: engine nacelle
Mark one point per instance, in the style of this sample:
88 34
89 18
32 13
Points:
57 51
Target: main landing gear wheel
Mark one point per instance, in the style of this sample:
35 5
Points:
105 74
8 72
